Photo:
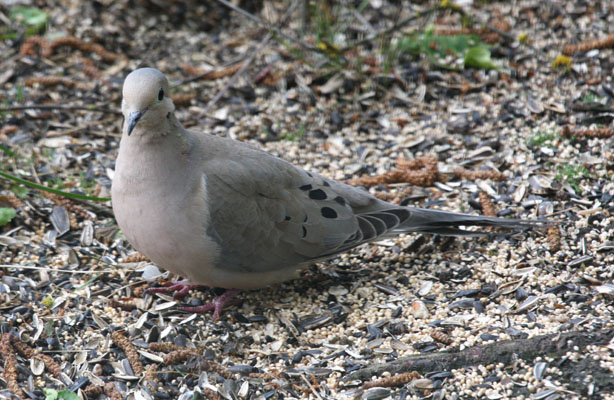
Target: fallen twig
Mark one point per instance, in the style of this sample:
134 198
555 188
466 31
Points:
390 30
271 27
249 60
60 107
498 352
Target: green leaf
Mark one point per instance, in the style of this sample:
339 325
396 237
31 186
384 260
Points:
32 17
19 191
479 57
50 394
438 48
6 215
67 395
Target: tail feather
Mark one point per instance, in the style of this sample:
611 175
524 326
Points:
449 224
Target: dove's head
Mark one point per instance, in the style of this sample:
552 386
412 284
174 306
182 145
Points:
146 99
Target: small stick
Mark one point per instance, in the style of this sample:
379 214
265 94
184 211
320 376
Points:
270 27
60 107
249 60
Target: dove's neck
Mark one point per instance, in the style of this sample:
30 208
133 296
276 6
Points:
154 154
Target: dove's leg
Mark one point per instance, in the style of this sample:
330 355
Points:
217 305
180 288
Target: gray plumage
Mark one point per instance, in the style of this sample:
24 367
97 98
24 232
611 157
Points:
222 213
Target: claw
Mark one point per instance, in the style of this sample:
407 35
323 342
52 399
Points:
217 305
180 288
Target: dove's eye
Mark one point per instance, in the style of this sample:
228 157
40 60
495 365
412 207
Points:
161 94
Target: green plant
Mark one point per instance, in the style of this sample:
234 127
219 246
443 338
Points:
438 48
87 185
34 19
540 138
19 93
6 215
52 394
327 22
19 191
592 97
572 174
293 136
5 104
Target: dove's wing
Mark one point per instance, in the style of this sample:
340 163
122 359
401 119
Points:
267 214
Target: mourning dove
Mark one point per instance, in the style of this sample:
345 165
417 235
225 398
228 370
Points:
221 213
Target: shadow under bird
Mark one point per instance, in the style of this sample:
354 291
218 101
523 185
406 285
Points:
221 213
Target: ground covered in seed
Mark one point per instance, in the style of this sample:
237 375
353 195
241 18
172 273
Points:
378 93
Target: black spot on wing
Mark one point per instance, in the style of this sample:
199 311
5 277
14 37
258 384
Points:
305 187
309 174
288 218
325 183
304 231
317 194
340 200
328 212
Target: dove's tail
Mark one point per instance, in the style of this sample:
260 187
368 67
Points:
452 224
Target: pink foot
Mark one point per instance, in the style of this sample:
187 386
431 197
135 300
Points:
217 305
180 288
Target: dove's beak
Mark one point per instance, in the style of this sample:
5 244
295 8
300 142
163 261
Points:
133 119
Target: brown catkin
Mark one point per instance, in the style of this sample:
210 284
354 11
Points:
28 352
112 392
183 99
90 69
554 238
473 175
10 365
607 42
604 132
132 355
93 391
441 337
422 171
123 304
488 208
50 81
178 356
134 258
28 47
213 74
164 347
397 380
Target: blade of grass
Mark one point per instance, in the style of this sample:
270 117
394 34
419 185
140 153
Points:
89 282
7 151
50 190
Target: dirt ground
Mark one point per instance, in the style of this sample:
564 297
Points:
484 107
